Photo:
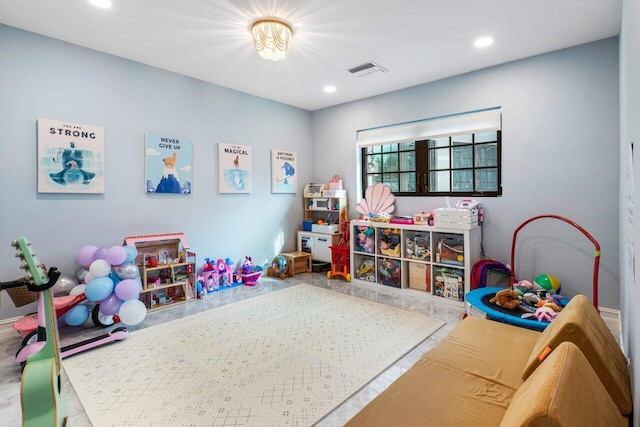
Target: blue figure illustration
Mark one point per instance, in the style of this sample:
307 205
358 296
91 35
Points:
288 171
72 171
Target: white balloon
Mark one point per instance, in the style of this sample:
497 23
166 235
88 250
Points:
100 268
89 277
77 290
132 312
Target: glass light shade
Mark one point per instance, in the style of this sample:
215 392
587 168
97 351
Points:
271 38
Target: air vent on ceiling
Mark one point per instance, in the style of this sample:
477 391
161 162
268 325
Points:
366 69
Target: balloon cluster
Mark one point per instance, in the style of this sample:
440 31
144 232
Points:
110 279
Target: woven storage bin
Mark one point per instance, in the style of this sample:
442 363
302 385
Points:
22 296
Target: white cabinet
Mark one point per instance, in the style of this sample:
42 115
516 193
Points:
317 244
432 259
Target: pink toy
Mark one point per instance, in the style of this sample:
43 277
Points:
250 272
545 314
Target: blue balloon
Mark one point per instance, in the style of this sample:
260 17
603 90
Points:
113 276
132 253
98 289
77 315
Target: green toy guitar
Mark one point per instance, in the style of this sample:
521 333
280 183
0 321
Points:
41 389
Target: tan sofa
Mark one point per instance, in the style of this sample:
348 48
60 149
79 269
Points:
486 373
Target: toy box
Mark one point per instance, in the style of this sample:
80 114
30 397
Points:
420 276
464 219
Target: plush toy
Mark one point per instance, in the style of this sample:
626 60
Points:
545 314
523 287
531 299
506 298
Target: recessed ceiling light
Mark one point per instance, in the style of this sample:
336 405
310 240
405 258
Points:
329 89
104 4
483 42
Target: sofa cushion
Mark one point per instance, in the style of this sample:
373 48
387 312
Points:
430 394
581 324
491 350
563 391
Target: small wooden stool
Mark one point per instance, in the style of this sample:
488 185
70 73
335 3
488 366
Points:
299 262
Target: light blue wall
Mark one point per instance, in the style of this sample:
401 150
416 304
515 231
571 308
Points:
630 186
45 78
560 156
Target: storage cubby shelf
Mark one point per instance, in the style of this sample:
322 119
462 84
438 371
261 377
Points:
434 260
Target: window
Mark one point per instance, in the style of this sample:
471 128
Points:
458 164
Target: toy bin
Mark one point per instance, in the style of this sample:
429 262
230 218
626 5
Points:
389 242
364 240
417 245
449 248
449 283
389 272
364 267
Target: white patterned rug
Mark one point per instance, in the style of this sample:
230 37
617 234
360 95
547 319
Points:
285 358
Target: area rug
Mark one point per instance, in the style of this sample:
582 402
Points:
284 358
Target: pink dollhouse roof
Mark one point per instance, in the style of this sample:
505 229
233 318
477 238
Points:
155 239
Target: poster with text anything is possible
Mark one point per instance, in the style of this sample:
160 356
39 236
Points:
283 171
70 157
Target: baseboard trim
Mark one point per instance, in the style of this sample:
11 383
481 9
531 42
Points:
613 321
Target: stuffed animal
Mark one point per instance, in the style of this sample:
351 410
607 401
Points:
545 314
506 298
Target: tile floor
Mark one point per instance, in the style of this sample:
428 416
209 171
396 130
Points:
408 299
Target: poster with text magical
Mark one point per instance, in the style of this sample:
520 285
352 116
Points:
168 164
70 157
234 171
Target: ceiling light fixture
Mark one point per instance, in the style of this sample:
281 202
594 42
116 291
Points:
104 4
271 38
329 89
483 42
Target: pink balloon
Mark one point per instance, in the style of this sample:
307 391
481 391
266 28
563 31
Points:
116 255
127 289
85 255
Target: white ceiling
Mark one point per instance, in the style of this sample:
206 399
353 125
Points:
418 41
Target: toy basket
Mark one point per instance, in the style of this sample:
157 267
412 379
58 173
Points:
22 296
250 279
339 262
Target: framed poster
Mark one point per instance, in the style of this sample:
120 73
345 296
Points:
283 171
234 171
168 163
70 157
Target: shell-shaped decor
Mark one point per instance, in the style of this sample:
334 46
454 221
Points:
377 199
